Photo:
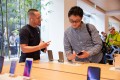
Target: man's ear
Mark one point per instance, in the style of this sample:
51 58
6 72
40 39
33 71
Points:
30 18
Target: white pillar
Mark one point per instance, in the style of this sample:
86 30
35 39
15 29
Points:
67 5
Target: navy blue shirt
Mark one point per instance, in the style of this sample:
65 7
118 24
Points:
31 36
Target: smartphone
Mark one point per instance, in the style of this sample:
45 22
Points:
80 53
93 73
50 55
61 57
27 68
12 67
1 63
43 49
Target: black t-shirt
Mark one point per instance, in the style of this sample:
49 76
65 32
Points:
31 36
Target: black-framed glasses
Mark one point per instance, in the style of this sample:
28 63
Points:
74 21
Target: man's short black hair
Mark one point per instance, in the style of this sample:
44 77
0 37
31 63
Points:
76 11
31 11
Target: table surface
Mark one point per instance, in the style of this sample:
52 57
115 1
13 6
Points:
63 71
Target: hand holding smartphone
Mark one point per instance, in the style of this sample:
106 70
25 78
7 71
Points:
47 44
43 50
93 73
27 69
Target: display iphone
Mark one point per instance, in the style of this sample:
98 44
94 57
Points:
93 73
1 63
12 67
50 55
61 57
27 69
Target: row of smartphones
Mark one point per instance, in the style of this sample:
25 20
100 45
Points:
61 56
93 73
27 68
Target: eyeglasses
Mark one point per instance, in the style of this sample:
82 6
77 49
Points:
76 21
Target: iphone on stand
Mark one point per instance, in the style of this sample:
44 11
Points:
27 68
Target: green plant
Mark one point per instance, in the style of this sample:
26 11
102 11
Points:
13 15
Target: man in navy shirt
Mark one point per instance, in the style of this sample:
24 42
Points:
30 40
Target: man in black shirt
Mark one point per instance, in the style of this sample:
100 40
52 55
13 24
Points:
30 41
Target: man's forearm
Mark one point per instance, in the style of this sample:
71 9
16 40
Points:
28 49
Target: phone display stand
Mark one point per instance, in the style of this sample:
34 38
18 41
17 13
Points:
7 76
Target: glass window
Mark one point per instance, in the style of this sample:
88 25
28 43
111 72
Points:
12 18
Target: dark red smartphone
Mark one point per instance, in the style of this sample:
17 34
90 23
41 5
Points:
80 53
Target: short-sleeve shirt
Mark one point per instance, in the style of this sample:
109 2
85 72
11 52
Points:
31 36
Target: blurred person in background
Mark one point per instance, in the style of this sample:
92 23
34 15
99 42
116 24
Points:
113 38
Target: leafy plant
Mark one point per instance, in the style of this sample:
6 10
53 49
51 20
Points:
13 15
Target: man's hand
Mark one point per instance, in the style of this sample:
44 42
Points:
111 40
44 44
84 55
72 56
44 50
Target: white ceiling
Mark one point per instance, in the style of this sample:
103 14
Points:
111 7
